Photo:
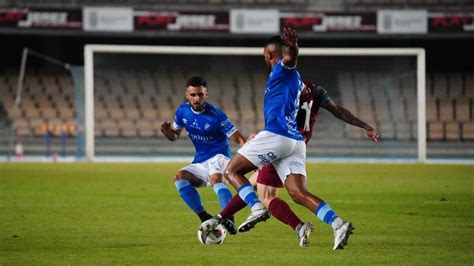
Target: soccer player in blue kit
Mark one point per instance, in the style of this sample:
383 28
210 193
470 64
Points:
208 128
280 143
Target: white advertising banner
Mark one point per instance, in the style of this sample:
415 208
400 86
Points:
107 18
254 21
402 21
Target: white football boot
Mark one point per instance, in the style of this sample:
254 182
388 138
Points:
302 233
341 235
254 218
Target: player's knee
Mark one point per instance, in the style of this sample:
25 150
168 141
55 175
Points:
215 179
178 176
229 172
297 196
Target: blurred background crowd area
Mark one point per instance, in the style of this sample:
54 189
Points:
135 93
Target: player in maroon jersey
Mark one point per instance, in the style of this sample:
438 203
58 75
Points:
269 184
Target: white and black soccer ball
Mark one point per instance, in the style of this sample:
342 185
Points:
214 237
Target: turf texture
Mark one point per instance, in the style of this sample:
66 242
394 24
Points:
102 214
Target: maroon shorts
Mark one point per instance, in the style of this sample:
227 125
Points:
268 175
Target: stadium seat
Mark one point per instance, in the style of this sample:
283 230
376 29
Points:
468 131
127 128
382 110
66 113
408 87
31 112
386 130
463 109
435 131
446 110
132 113
48 113
352 132
23 131
403 131
150 113
431 109
116 113
452 131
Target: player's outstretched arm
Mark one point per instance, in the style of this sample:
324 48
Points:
346 116
237 138
290 38
169 132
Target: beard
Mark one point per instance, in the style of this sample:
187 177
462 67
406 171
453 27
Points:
197 107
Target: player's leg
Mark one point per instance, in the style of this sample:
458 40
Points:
225 197
216 166
234 174
293 171
296 186
226 216
186 183
264 149
222 191
269 185
236 203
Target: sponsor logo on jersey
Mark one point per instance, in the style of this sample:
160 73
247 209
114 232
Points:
200 137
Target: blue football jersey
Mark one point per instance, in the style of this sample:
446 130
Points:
281 101
207 130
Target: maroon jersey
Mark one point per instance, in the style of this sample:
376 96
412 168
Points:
312 97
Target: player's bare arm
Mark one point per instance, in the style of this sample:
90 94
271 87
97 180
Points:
237 138
290 38
346 116
169 132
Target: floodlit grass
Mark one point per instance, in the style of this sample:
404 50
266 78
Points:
131 214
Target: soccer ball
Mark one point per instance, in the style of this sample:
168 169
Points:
214 237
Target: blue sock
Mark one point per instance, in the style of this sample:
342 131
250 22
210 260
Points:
189 195
223 193
247 194
325 213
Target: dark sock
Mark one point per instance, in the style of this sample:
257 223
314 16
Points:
236 204
204 216
282 211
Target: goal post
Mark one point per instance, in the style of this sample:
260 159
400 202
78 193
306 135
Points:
92 49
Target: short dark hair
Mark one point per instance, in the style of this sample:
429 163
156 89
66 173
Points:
196 82
275 40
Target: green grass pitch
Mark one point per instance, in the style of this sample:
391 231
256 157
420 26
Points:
59 214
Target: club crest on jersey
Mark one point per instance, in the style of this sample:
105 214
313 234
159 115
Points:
185 121
195 124
206 126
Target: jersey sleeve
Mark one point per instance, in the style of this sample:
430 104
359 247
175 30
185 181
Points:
178 121
225 125
322 96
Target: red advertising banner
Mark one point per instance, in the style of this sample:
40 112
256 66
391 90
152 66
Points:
450 22
181 21
41 18
330 22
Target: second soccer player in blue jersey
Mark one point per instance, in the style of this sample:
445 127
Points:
208 128
280 143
